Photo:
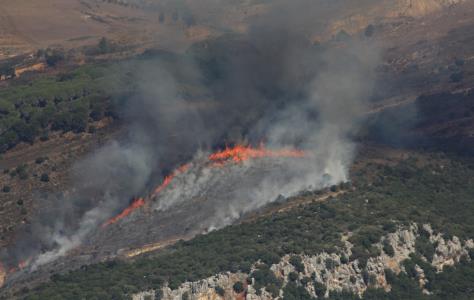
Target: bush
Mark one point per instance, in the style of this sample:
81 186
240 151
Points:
387 248
40 160
103 46
44 177
295 292
220 291
410 268
369 30
293 276
185 296
424 247
6 189
296 261
264 277
53 56
366 277
238 287
320 289
389 227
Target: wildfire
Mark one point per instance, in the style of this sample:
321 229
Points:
4 273
241 153
139 202
237 154
170 178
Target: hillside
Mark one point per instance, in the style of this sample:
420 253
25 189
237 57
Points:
236 149
424 228
28 25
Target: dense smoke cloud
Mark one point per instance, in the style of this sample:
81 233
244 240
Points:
271 84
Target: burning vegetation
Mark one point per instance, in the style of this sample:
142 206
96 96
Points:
241 153
235 154
137 203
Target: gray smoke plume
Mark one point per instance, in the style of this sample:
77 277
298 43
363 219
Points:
271 84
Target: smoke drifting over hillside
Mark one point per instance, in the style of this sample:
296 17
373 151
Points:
271 84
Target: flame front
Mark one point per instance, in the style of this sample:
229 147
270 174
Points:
241 153
137 203
170 178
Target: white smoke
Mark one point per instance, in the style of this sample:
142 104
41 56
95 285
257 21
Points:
273 85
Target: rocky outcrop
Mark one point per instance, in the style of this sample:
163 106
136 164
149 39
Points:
206 288
147 295
448 252
332 269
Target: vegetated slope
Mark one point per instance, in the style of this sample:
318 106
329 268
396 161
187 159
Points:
427 189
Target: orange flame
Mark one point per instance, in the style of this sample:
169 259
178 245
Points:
241 153
170 178
139 202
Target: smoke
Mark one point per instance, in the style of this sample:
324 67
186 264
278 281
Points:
272 84
290 92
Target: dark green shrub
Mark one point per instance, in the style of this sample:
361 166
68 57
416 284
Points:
238 287
295 292
366 276
389 227
40 160
44 177
53 57
387 248
296 261
369 30
305 280
6 189
293 276
220 291
320 289
424 247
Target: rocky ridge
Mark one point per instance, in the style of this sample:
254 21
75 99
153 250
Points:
333 270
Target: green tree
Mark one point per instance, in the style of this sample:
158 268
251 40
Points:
238 287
